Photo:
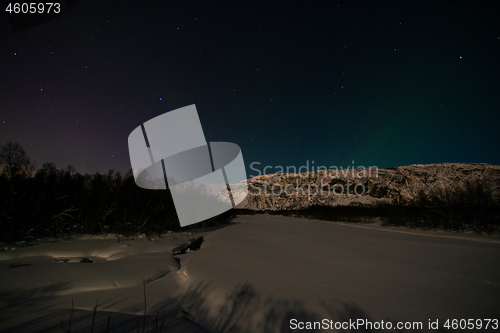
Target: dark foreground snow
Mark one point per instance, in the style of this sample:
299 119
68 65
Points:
252 276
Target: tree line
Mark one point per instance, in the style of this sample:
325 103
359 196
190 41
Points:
50 202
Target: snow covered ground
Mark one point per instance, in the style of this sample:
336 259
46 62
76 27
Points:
39 283
254 275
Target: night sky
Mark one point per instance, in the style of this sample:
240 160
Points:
378 83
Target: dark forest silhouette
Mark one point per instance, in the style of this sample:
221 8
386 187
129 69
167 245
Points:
47 201
53 202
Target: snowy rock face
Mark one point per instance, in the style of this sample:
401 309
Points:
364 186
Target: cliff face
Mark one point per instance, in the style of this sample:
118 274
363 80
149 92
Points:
363 186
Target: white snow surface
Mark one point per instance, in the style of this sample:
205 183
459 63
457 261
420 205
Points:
38 282
254 275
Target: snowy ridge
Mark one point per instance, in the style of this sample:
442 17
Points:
401 183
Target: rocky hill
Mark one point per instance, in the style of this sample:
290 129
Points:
364 187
